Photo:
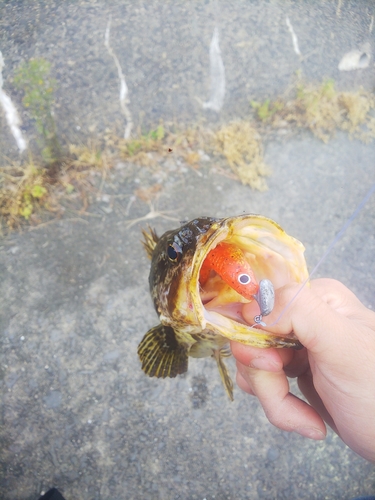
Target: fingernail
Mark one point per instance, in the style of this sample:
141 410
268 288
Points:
310 432
262 363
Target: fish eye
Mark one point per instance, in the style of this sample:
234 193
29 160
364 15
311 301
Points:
174 252
244 279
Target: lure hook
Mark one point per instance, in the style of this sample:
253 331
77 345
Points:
266 300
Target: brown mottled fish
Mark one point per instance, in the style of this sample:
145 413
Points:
198 316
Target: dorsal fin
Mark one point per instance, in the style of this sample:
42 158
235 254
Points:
150 238
161 354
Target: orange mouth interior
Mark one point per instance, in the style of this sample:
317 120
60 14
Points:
222 272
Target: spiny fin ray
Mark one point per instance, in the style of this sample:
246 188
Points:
161 354
150 239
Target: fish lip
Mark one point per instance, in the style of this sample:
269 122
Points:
219 234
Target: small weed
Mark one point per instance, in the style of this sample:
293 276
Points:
157 135
133 147
152 147
266 109
30 196
22 191
92 155
33 79
139 149
241 145
323 110
26 189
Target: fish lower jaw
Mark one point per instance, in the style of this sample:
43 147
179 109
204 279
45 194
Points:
227 317
231 311
245 334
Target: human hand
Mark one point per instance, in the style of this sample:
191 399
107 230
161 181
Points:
335 370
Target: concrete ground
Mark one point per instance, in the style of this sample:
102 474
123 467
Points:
77 412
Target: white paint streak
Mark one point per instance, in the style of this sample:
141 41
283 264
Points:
338 8
124 100
294 37
217 73
11 114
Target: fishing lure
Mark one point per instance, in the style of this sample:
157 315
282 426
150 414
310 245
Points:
230 264
266 300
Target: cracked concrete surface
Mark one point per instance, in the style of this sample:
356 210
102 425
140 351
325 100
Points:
77 412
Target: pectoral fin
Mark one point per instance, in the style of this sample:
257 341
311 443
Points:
161 354
224 374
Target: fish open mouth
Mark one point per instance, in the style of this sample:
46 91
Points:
217 296
271 254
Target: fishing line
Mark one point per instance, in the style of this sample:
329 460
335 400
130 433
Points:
329 249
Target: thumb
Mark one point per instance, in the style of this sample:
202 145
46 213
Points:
317 315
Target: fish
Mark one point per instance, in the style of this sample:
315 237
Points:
199 300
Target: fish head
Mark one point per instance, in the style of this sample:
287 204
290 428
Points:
174 275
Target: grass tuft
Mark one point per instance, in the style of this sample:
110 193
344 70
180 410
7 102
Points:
323 110
241 145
